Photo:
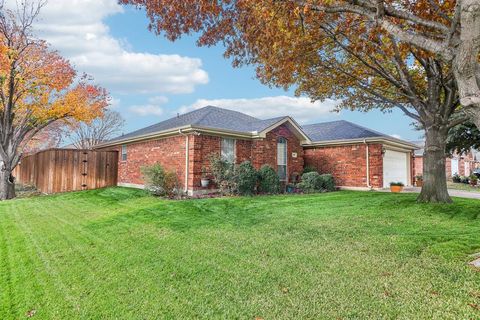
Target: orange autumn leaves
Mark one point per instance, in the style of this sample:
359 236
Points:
294 43
45 86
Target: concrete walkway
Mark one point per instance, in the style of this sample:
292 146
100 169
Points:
451 192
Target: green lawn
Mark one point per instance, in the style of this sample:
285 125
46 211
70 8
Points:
116 253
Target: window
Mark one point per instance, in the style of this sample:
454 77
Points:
228 149
124 153
282 158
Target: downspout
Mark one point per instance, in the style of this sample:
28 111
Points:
187 147
367 154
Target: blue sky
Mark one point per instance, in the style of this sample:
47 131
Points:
151 79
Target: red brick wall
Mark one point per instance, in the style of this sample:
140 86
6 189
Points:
169 152
203 146
347 163
418 165
264 151
448 166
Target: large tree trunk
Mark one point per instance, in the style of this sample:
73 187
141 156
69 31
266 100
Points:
434 177
7 182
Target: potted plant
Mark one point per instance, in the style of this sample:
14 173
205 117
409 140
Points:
419 180
205 180
473 180
396 187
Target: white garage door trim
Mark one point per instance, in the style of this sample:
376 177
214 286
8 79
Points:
396 167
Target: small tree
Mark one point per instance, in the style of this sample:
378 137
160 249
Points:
224 174
161 182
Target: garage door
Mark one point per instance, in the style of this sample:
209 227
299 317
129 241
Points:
395 167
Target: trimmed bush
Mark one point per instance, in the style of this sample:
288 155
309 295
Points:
268 181
311 182
327 182
160 182
246 179
314 182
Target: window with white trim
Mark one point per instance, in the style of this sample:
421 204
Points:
228 150
124 152
282 158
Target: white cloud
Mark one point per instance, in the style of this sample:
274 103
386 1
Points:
152 108
300 108
114 103
396 136
147 110
76 28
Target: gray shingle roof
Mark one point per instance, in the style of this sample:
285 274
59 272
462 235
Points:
339 130
209 117
224 119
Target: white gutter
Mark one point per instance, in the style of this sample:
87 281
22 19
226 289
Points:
187 149
367 152
393 142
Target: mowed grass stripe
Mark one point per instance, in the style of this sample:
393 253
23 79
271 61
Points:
118 253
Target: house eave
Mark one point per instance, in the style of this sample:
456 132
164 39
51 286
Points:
383 140
150 136
176 131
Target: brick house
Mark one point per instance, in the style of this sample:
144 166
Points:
356 156
461 164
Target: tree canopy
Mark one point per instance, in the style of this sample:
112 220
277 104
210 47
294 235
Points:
447 30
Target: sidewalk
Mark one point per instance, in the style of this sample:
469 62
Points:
451 192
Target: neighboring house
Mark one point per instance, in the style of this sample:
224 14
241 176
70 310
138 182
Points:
462 164
356 156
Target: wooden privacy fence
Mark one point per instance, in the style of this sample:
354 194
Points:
62 170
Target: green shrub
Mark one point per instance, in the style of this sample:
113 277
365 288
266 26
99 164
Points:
456 178
246 178
327 182
268 181
160 182
396 184
309 168
314 182
473 179
224 174
311 182
464 179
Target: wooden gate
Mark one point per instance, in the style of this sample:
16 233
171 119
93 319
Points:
62 170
